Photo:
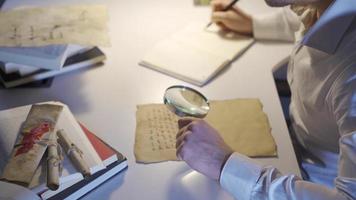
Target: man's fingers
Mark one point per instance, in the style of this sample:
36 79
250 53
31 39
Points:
179 150
183 130
220 17
222 26
181 138
217 5
180 132
184 122
240 12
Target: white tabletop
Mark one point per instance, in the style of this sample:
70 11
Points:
105 98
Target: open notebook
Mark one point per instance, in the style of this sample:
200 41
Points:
196 54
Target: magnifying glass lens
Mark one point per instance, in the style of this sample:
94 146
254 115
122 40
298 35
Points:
185 101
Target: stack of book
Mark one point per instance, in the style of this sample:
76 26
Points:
103 160
36 66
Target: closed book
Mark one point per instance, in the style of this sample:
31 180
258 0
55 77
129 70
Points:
50 57
107 154
23 70
89 58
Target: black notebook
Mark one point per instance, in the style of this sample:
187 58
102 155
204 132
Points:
1 3
45 83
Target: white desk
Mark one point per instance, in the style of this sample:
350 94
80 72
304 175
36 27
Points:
105 98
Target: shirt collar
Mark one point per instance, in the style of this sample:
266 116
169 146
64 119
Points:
326 34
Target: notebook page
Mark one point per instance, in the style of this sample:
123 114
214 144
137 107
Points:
213 40
196 54
184 62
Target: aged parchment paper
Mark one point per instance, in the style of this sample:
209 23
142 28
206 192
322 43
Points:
241 122
81 24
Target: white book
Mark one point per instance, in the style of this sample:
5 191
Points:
62 186
24 70
196 54
88 58
10 123
95 182
50 57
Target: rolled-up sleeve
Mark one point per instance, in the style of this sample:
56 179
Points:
280 25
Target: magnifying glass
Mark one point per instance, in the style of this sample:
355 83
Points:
185 101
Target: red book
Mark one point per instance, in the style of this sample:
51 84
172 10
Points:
107 154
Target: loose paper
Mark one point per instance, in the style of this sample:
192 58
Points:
241 122
84 25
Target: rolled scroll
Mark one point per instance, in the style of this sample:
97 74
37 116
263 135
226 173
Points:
53 162
73 152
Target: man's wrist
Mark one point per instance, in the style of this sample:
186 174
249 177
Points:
226 158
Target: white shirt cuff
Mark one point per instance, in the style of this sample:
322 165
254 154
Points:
239 176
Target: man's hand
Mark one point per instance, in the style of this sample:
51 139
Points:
234 19
201 147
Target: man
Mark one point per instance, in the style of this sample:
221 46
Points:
322 77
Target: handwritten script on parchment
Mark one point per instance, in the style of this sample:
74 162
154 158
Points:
241 122
156 131
84 25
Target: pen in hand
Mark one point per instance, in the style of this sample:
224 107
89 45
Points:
228 7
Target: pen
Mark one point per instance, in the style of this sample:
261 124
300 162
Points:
228 7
